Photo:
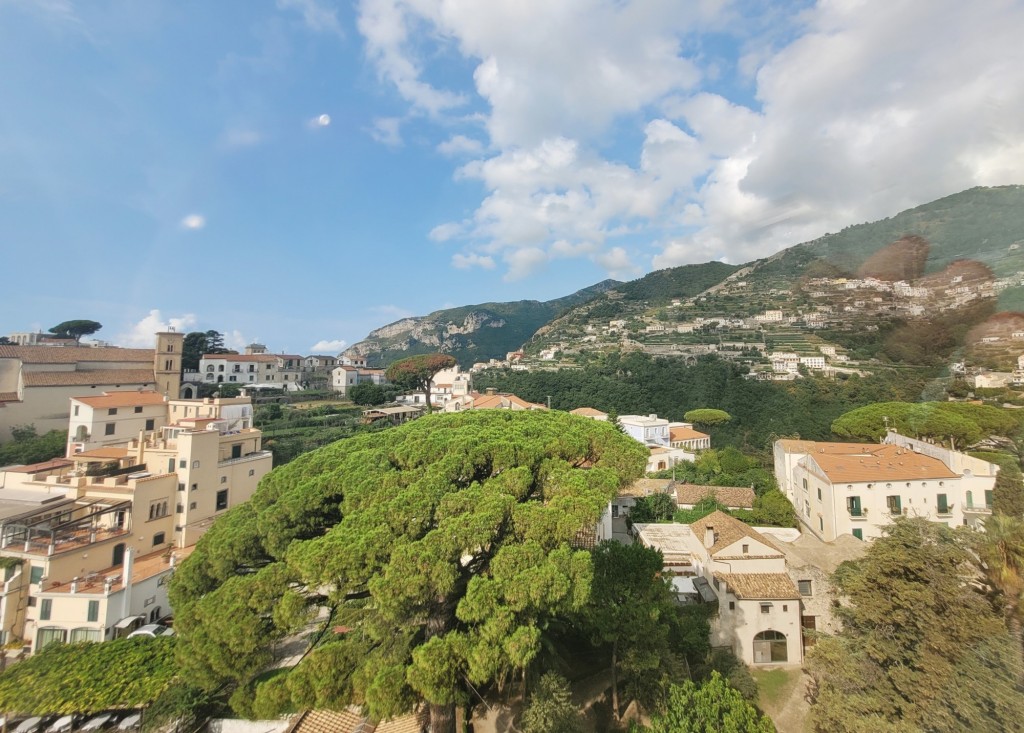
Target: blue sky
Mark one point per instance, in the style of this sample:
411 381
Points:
303 171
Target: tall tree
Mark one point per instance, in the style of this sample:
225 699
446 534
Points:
711 707
707 417
921 647
633 613
444 545
417 372
551 709
1001 551
197 343
75 329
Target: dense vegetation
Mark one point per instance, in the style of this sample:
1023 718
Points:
27 447
89 677
444 545
923 648
761 411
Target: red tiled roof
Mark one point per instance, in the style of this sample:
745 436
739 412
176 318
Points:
9 397
677 434
96 377
73 354
123 399
761 586
730 496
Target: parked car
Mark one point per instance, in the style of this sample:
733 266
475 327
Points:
152 630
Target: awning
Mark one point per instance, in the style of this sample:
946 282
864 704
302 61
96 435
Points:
704 589
127 621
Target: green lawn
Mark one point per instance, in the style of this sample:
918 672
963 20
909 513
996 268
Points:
775 685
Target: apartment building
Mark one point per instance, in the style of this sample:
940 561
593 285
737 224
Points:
88 542
344 377
858 488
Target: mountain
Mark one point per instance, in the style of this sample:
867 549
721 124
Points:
470 333
882 290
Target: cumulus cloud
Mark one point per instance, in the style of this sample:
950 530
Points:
467 261
328 346
318 122
387 131
460 145
235 341
315 15
142 334
631 128
446 231
193 222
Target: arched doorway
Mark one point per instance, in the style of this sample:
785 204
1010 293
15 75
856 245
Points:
770 648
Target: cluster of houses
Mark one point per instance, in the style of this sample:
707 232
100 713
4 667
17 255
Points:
88 541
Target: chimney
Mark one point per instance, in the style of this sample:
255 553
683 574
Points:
74 584
709 536
491 391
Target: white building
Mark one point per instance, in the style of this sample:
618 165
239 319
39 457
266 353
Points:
858 488
345 377
784 362
721 560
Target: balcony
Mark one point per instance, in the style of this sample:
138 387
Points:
859 514
258 455
977 509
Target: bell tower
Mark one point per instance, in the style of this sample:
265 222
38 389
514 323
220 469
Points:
167 363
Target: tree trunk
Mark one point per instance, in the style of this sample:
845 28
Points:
615 680
442 718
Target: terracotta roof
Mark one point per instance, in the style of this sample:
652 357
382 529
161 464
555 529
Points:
73 354
115 377
503 402
762 586
676 434
881 463
412 723
109 452
44 466
647 486
811 446
731 496
9 397
129 398
728 530
588 412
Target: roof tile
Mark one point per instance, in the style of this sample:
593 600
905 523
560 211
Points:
96 377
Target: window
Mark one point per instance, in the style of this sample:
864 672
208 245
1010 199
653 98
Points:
943 503
732 605
179 509
157 509
819 493
94 611
112 411
222 499
746 549
766 608
853 506
181 487
223 479
232 378
858 533
807 508
805 484
805 587
192 505
84 634
182 464
138 410
195 464
76 410
988 499
150 424
220 368
45 637
158 539
195 486
108 429
769 647
35 575
168 365
785 608
893 502
252 472
45 608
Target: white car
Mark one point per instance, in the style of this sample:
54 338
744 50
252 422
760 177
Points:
153 630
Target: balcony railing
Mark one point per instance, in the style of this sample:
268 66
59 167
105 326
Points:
242 459
861 513
978 508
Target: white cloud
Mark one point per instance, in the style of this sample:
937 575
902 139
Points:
235 340
387 131
328 346
854 111
458 145
193 222
142 334
316 17
446 231
465 262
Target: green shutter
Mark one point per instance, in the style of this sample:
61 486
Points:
94 611
988 499
36 575
858 533
44 609
943 504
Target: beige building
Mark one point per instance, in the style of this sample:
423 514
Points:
36 382
490 400
858 488
721 560
89 542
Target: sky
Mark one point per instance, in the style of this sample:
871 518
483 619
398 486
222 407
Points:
300 172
